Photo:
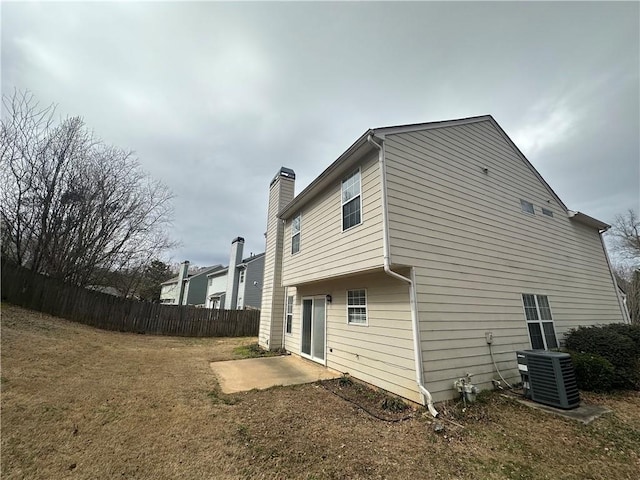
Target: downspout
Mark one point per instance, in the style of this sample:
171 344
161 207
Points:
284 320
413 301
623 308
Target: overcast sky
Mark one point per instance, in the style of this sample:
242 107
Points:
215 97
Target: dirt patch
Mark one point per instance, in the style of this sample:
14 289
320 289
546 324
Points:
253 350
372 401
82 403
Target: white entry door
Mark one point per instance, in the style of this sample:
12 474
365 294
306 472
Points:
313 328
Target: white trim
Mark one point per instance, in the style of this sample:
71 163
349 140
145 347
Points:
626 318
310 356
589 221
299 233
365 306
522 205
286 310
359 195
539 321
284 325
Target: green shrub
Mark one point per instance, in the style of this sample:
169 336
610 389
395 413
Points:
619 349
593 372
630 331
345 381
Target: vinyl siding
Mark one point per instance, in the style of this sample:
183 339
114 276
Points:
218 284
327 251
170 292
380 353
242 286
253 293
272 311
475 252
195 291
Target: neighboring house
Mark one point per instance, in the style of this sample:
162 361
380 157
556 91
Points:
250 277
240 286
216 288
420 246
187 288
105 289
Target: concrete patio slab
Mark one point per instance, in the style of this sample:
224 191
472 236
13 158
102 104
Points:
583 413
260 373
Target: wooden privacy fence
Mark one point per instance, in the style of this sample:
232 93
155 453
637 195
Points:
28 289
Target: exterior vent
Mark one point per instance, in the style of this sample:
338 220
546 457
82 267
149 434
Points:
548 378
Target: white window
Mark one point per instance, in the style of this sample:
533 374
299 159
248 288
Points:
241 276
527 207
357 307
351 201
210 281
547 212
289 319
539 321
295 235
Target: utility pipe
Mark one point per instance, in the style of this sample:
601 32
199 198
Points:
417 347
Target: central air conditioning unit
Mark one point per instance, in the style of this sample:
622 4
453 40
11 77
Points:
548 378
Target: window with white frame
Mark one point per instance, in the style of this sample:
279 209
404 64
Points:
357 307
547 212
539 321
351 201
289 313
295 234
241 276
527 207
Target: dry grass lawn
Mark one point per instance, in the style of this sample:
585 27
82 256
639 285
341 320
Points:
87 404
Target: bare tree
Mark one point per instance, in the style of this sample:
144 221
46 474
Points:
625 233
633 298
73 207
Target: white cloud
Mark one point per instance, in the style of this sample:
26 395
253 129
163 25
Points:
550 124
44 58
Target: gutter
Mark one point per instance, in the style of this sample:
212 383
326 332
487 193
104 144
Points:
411 281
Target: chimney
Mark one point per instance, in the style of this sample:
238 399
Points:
182 275
281 192
231 297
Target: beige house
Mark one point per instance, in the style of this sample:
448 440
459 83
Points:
423 251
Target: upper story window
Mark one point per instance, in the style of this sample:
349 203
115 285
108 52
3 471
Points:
351 201
527 207
295 234
547 212
539 321
242 275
